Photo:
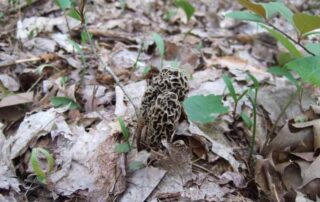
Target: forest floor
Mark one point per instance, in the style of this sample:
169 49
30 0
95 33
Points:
56 93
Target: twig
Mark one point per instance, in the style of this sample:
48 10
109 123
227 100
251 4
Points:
276 195
15 62
292 39
35 83
205 169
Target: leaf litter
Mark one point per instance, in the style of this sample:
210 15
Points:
208 162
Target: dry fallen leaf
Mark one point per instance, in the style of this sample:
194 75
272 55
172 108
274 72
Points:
135 91
142 183
20 98
9 83
32 128
93 155
8 179
218 148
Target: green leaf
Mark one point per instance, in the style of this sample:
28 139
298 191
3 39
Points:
242 94
230 87
284 41
78 50
136 165
124 129
306 23
63 4
314 48
204 109
159 42
76 46
254 80
244 15
308 68
257 8
64 101
281 71
84 37
284 57
186 7
246 119
272 8
75 14
122 148
41 175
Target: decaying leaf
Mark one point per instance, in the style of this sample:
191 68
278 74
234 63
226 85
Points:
8 178
135 91
91 155
218 148
21 98
9 83
142 183
32 128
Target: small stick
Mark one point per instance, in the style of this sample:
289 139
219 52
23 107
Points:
20 61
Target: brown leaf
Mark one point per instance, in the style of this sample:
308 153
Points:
234 177
16 99
142 183
316 131
290 174
198 146
286 138
312 172
268 178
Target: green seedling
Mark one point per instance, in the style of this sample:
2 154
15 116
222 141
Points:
186 7
303 59
124 147
64 102
41 174
160 46
84 37
246 119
